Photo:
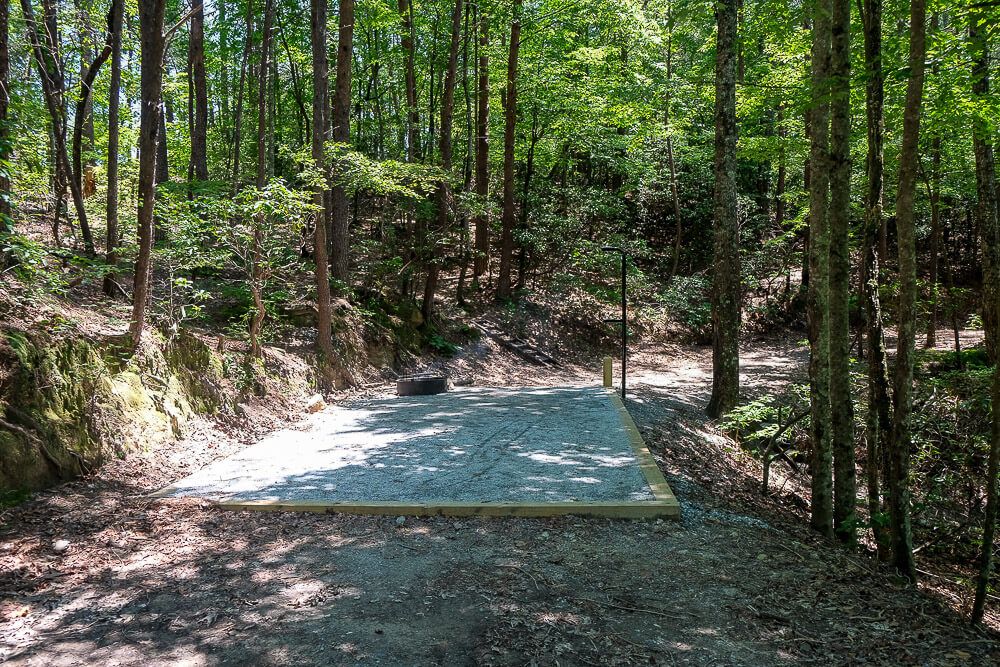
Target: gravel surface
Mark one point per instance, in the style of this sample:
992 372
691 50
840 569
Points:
471 445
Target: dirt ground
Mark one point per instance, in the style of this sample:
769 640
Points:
739 581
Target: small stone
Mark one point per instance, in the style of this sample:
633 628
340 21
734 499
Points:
315 403
457 525
60 546
545 534
400 520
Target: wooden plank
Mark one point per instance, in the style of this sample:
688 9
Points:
616 510
654 476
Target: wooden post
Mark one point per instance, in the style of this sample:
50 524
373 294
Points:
607 371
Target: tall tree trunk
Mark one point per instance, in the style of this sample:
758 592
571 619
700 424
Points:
482 220
508 219
114 99
150 87
257 276
444 190
6 221
819 271
238 115
726 292
989 229
470 149
899 494
988 209
678 228
324 316
199 125
340 241
410 73
162 158
935 251
879 418
841 402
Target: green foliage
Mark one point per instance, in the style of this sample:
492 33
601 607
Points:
687 301
442 346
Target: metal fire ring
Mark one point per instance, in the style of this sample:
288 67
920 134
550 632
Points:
421 385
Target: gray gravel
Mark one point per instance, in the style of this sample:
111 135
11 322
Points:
470 445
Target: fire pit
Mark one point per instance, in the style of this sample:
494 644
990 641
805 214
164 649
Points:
421 385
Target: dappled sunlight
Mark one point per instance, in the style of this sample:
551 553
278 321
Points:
471 445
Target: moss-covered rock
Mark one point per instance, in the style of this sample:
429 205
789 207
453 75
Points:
68 403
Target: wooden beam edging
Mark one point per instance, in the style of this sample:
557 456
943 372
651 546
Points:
663 506
654 476
649 509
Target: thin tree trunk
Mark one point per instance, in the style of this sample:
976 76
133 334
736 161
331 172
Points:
482 221
726 291
819 272
305 127
678 227
470 142
324 317
114 100
935 252
238 116
989 229
162 158
508 219
45 48
83 118
879 419
199 122
257 276
6 221
841 403
444 190
899 494
150 87
340 242
412 112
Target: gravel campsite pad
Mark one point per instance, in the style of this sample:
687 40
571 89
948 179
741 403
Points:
474 445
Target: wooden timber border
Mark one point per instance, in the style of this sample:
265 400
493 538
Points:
664 505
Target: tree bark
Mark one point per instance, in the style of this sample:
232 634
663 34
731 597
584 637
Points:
238 115
482 221
114 101
819 271
444 189
196 62
899 494
841 403
257 269
340 242
6 221
988 209
508 219
726 295
151 84
935 251
879 418
410 74
678 228
324 317
989 229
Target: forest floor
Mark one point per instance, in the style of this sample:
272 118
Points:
739 581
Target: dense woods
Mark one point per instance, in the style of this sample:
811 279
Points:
824 168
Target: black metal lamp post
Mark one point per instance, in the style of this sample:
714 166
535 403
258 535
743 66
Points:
623 321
